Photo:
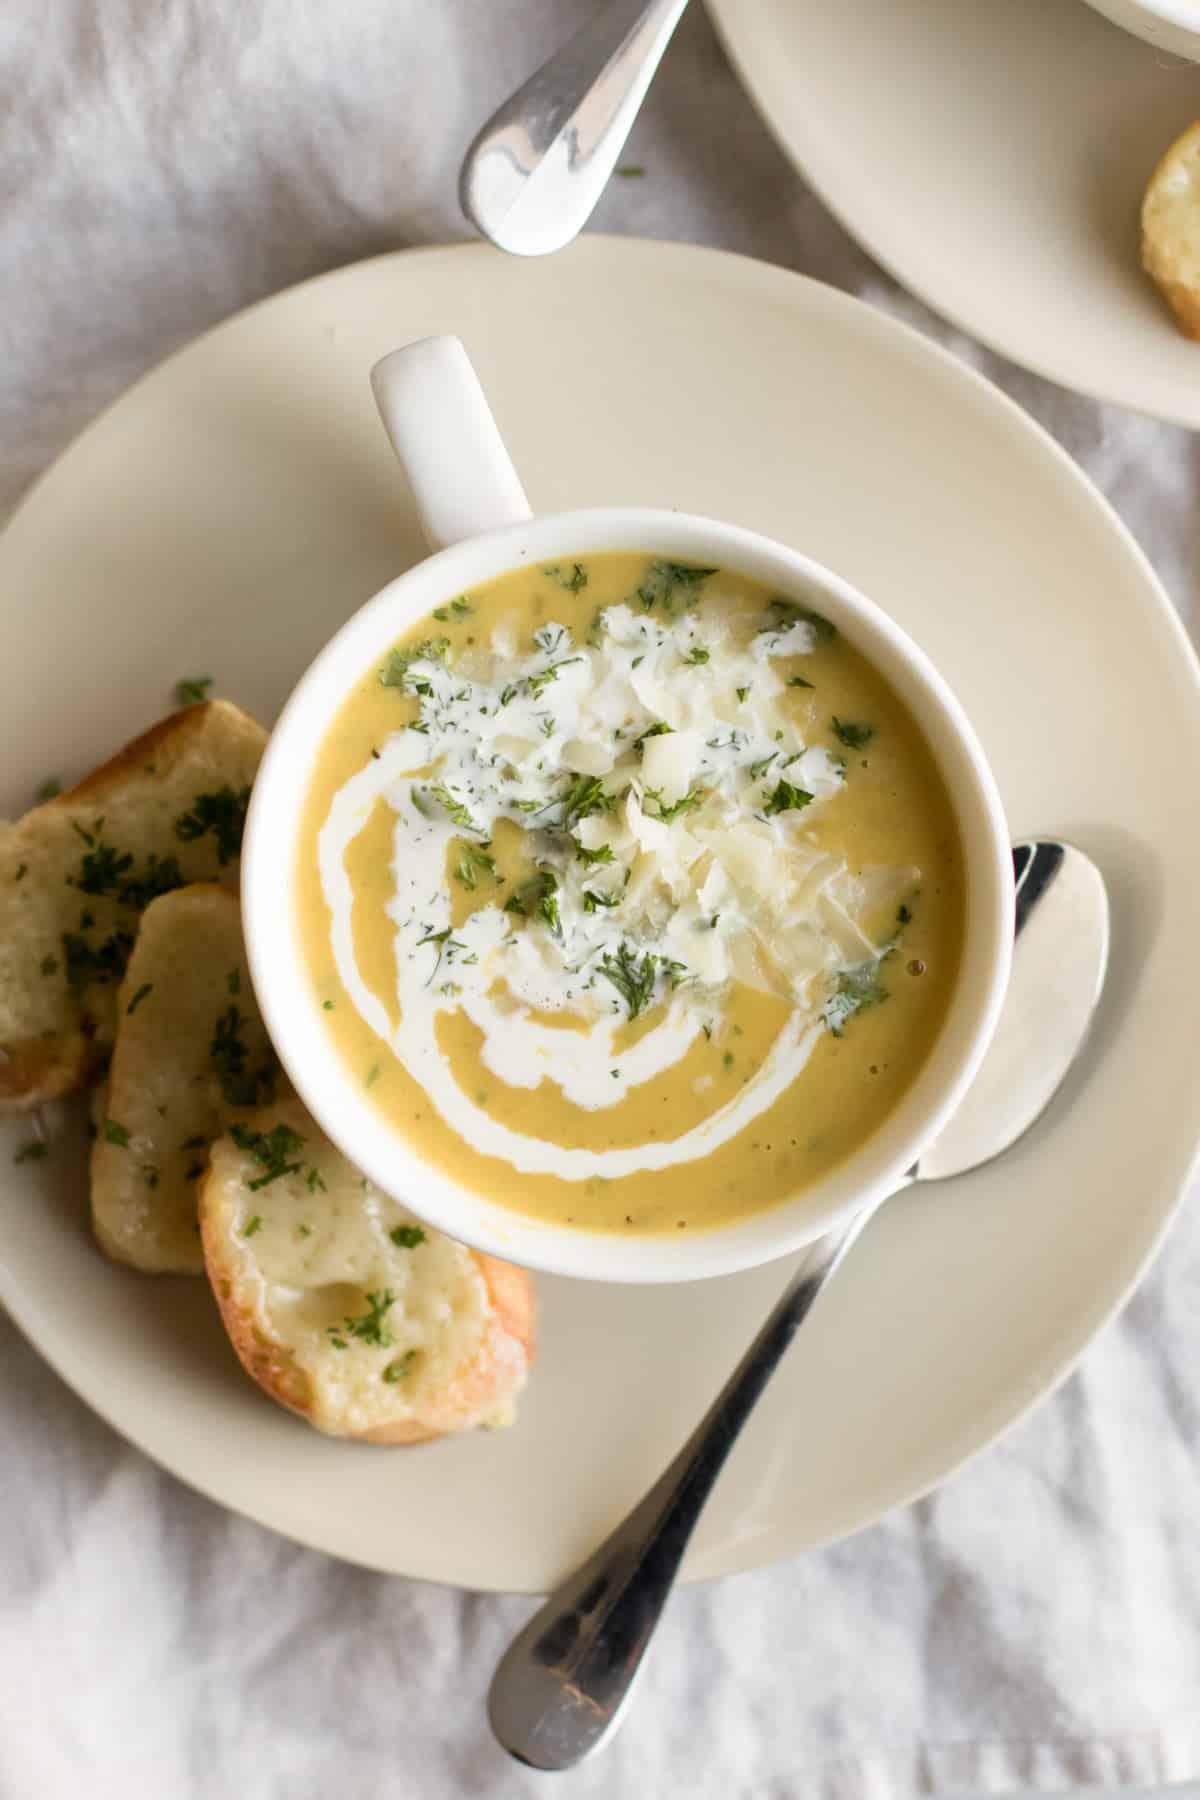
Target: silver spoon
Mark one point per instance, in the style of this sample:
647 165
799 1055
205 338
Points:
534 173
562 1685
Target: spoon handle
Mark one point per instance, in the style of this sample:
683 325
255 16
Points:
561 1685
536 170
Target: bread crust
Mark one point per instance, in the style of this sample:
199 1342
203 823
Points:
172 734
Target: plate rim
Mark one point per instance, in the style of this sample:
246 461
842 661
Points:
734 39
771 1544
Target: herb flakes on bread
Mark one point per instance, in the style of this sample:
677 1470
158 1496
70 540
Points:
342 1306
191 1055
77 872
1171 229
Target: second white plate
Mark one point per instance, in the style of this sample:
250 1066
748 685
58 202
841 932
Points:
992 155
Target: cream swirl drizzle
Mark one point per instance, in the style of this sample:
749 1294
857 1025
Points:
666 795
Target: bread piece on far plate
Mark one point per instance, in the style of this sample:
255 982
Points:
191 1055
76 872
342 1306
1171 229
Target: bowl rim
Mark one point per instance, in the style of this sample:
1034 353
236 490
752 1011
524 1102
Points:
326 1085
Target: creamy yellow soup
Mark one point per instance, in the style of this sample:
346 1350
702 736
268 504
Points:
631 893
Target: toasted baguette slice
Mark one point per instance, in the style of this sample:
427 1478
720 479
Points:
190 1056
76 872
1171 229
366 1334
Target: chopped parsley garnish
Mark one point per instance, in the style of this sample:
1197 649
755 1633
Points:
542 680
741 694
101 870
314 1181
449 801
50 790
106 870
393 671
233 981
574 583
471 862
191 691
372 1075
855 989
112 1133
370 1329
903 916
631 171
400 1366
798 681
457 609
146 988
665 580
327 1006
598 629
36 1150
49 965
538 896
407 1237
273 1149
697 654
603 853
253 1225
785 614
661 729
585 795
854 736
593 900
675 809
241 1086
223 813
87 963
22 871
632 976
448 947
787 798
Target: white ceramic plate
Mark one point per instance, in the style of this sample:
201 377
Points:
992 154
229 512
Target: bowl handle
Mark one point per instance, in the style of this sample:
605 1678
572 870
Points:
442 430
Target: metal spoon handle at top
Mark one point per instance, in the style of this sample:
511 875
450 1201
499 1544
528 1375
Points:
534 173
564 1681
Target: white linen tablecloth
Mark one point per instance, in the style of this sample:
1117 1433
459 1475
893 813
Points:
1037 1622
